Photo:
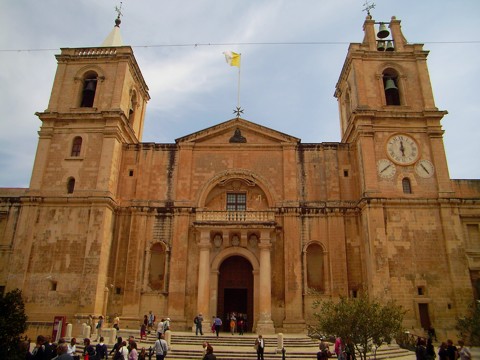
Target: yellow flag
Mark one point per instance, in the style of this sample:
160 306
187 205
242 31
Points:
233 59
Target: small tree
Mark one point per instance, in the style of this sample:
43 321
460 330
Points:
13 323
366 322
469 326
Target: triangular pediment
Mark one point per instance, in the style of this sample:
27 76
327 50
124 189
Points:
238 131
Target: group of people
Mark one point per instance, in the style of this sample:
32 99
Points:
425 350
45 349
344 350
147 325
236 324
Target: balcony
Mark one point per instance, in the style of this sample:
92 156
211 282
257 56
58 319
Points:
235 216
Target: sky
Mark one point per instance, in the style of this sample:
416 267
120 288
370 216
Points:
284 85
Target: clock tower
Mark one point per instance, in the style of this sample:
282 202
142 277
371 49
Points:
388 112
389 118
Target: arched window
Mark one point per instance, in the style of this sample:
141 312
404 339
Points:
70 185
76 146
390 86
156 276
89 89
315 267
407 187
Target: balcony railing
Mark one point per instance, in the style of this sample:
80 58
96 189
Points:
235 216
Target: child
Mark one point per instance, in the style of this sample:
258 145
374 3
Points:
143 332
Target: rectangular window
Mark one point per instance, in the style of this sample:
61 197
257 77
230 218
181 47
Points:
236 201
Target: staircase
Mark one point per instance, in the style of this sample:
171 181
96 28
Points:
186 346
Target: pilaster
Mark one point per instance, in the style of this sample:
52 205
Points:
265 323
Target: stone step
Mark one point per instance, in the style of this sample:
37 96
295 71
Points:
188 346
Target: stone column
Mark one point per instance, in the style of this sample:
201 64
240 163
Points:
203 274
68 333
265 323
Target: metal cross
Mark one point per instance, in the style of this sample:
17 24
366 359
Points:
368 6
119 10
238 111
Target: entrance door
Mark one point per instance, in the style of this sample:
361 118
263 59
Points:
424 317
235 290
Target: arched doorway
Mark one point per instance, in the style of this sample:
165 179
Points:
235 290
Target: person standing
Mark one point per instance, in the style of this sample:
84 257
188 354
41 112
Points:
101 350
260 346
463 351
151 321
117 346
99 326
420 349
324 352
430 350
339 348
72 347
160 327
160 348
452 352
209 355
442 351
349 349
205 345
198 324
133 354
240 325
38 351
62 352
116 322
88 350
124 350
166 325
233 323
218 324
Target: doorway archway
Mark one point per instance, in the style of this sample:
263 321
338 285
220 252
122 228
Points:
235 290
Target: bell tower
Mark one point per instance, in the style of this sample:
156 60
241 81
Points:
97 103
387 111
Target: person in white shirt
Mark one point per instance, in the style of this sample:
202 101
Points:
160 327
160 348
260 345
124 350
72 347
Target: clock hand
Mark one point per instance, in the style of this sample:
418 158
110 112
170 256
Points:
385 168
402 148
424 168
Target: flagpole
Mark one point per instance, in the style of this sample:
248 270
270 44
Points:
238 92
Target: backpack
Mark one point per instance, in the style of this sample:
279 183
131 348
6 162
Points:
195 320
118 354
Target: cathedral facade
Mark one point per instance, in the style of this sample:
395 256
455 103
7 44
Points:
239 217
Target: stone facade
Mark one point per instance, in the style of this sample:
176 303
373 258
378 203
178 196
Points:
240 217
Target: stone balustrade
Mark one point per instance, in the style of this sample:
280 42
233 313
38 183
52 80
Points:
235 216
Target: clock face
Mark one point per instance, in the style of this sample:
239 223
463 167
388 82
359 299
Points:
424 169
386 169
402 149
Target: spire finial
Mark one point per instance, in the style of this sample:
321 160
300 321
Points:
368 7
119 12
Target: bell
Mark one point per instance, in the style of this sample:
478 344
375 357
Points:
383 31
90 85
390 85
390 46
380 45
